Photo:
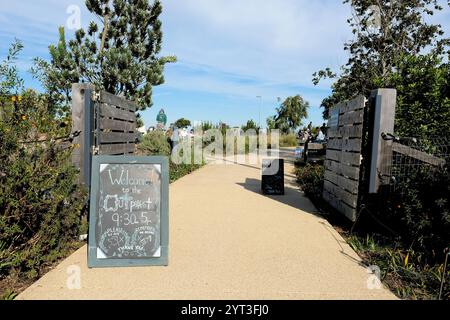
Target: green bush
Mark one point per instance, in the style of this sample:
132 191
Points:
178 171
311 179
40 202
421 212
154 143
288 140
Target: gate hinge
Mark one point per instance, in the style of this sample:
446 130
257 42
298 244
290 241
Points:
95 150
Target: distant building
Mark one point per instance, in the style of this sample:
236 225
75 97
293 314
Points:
142 130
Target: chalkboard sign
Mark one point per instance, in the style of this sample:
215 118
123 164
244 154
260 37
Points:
272 180
128 220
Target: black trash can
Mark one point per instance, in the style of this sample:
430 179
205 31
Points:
272 180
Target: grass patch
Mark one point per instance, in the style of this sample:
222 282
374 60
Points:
288 140
403 271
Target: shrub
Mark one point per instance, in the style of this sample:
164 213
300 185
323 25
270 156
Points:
178 171
311 179
288 140
421 213
154 143
402 270
250 125
40 202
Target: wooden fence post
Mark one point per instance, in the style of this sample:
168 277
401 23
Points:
83 117
384 117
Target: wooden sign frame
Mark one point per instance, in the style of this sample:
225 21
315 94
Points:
162 260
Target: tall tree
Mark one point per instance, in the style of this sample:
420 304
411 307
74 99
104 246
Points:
250 125
384 31
291 113
117 53
182 123
270 121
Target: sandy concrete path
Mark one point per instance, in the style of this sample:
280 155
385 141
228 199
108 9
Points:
228 241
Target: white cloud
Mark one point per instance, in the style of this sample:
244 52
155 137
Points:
281 41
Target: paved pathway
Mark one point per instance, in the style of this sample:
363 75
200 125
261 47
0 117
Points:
228 241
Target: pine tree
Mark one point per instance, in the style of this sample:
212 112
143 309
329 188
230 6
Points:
119 54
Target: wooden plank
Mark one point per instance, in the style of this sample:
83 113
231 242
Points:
117 125
333 155
346 197
348 158
354 131
344 144
351 145
342 169
340 206
111 99
355 104
116 149
315 146
417 154
351 117
344 182
109 137
334 144
112 112
333 121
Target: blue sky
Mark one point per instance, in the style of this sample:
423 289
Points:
229 52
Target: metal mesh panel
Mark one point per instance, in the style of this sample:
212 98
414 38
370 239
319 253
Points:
410 154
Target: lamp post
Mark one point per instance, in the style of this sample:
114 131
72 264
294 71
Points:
260 107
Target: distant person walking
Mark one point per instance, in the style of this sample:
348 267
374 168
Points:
320 136
161 120
324 130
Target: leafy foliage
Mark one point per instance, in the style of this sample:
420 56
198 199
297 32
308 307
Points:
119 56
288 140
10 82
40 202
250 125
421 214
290 114
182 123
402 270
384 31
270 121
311 179
423 104
154 143
206 125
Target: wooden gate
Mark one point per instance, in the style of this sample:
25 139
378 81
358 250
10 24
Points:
115 125
106 123
343 156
